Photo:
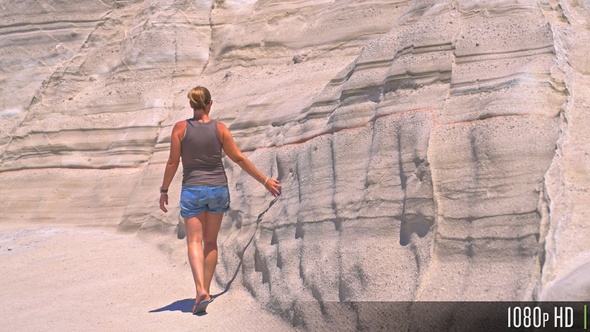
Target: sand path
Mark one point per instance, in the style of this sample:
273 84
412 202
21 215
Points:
80 279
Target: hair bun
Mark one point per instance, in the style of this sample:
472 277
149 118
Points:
199 98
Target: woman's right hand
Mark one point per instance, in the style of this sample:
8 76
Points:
273 186
163 202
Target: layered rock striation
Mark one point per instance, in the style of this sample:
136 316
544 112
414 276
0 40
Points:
427 150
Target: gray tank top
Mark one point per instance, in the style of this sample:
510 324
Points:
201 155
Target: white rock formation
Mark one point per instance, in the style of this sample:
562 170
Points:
429 150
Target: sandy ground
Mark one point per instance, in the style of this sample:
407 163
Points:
79 279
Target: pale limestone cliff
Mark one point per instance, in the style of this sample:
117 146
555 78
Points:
428 150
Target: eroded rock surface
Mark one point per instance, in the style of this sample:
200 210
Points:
427 150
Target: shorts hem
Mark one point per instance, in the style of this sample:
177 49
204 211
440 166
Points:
217 212
194 215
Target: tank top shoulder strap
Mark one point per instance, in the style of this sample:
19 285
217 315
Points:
187 123
214 124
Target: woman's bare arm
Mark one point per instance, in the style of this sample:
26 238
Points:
173 161
233 152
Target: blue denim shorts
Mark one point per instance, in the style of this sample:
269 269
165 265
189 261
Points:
195 200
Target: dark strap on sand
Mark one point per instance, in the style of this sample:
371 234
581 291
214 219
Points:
241 255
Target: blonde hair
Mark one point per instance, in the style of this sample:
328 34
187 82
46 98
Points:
199 98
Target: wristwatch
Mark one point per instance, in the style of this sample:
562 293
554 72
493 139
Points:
163 191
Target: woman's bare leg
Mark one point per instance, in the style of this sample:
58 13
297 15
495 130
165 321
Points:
210 232
194 240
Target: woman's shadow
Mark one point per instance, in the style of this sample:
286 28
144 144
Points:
186 305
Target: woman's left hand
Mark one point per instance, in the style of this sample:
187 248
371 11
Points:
273 186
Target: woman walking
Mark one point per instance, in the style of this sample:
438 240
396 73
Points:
205 195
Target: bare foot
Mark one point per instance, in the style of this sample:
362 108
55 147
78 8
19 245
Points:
200 297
